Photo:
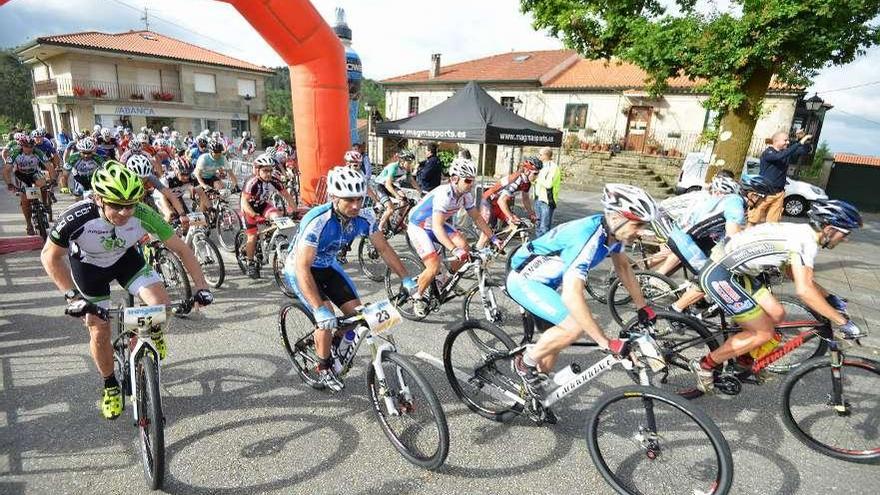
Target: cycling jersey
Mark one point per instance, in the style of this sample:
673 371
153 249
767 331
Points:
93 240
195 152
768 245
678 207
47 148
322 228
178 187
260 191
129 153
393 171
207 166
27 164
571 249
708 218
82 168
107 148
440 200
508 186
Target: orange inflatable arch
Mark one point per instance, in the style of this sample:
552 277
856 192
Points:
319 83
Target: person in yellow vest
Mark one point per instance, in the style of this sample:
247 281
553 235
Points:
546 191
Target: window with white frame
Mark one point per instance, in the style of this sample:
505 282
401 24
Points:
507 102
575 116
413 105
247 87
204 83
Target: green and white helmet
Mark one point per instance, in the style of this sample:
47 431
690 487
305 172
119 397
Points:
117 184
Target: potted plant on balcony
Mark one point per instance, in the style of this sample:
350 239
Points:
97 92
137 96
163 95
79 91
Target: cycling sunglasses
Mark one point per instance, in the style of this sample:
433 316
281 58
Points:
117 207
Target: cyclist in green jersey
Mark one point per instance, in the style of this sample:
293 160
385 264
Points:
99 236
386 184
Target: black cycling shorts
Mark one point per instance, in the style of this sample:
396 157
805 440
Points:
130 271
333 283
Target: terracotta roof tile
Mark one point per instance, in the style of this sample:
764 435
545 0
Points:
873 161
512 66
554 69
151 44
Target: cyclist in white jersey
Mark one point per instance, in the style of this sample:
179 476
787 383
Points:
730 280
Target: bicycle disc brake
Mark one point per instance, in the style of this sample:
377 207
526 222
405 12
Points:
728 384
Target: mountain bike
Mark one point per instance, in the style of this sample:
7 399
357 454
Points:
39 211
136 366
641 439
404 402
271 248
209 257
222 217
172 273
370 261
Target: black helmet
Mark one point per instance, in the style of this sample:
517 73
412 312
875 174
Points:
756 184
834 212
216 146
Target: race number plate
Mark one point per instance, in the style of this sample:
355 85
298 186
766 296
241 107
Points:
32 192
196 219
284 222
381 316
143 317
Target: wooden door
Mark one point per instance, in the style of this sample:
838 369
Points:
637 127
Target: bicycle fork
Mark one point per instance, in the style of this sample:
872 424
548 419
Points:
392 404
140 348
836 399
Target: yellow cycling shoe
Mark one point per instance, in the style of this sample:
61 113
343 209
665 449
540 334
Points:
111 403
159 342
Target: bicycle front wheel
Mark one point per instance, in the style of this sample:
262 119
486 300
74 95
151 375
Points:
278 272
659 290
409 412
297 327
228 226
372 265
644 440
151 422
175 280
476 358
834 411
210 260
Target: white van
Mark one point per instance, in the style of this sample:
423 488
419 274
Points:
798 194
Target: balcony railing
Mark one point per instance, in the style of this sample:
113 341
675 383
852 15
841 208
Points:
108 90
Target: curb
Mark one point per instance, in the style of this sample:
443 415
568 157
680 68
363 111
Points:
18 244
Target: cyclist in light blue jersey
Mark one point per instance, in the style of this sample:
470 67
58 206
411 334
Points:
548 274
210 165
311 267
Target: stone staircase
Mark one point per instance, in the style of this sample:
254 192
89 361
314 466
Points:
592 171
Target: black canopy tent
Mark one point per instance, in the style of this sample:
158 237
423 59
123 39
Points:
471 116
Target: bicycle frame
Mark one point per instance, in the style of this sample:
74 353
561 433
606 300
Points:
132 355
788 347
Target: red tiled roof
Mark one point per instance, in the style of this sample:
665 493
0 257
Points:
554 69
513 66
873 161
151 44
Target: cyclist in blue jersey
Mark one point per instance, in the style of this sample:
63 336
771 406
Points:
428 224
210 167
45 145
311 268
561 258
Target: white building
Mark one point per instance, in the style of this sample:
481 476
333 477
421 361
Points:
600 102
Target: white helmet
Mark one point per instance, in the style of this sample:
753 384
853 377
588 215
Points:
86 144
462 167
135 145
344 182
106 133
96 129
264 160
215 135
165 129
143 129
724 185
143 138
630 201
245 134
175 134
140 165
353 157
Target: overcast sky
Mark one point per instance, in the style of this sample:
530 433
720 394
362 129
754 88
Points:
395 37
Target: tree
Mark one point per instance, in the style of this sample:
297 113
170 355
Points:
733 55
15 98
271 125
373 93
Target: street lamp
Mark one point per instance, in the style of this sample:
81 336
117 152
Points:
247 99
814 103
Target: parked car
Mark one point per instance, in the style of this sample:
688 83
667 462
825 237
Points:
798 194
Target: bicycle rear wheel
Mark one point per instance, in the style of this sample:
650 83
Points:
175 279
370 261
409 412
151 423
644 440
834 412
659 290
496 307
210 260
40 221
680 339
239 250
297 326
476 358
799 319
228 227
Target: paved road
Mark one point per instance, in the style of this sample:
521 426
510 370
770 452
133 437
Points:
240 422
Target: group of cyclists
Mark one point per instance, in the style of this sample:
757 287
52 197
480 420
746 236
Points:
127 192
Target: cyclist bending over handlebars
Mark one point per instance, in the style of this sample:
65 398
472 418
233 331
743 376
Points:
563 257
100 237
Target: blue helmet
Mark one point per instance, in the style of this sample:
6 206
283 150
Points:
756 184
834 212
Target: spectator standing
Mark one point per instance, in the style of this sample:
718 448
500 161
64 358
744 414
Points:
546 191
366 164
774 168
429 172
